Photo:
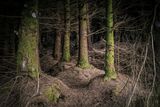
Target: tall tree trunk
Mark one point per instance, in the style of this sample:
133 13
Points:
109 55
77 19
58 40
27 55
66 47
83 61
57 49
88 29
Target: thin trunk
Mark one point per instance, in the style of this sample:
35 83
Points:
57 52
27 55
77 30
66 48
58 40
109 55
83 61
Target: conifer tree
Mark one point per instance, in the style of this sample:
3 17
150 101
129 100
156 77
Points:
83 61
58 46
109 55
66 47
27 54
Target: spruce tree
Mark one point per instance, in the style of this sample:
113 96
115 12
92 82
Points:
83 61
66 47
27 54
109 55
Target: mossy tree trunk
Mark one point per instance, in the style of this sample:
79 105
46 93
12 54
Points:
27 55
66 47
83 61
109 55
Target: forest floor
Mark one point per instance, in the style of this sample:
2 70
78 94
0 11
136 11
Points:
76 87
87 88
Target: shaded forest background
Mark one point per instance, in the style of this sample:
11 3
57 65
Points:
136 28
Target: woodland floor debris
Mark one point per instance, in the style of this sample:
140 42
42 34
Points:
73 87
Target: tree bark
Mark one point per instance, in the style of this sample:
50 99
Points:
27 55
58 40
109 55
83 61
57 52
88 29
66 47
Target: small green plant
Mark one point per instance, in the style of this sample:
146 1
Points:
52 94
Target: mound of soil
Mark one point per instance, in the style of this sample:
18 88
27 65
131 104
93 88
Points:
74 87
95 91
87 88
77 77
71 86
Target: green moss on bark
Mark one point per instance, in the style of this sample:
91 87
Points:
66 52
83 63
109 55
66 48
27 55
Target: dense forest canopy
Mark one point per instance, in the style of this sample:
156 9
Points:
79 53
